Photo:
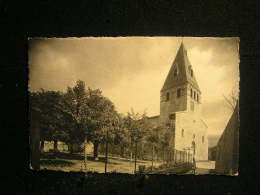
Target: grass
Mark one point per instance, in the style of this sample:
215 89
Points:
75 162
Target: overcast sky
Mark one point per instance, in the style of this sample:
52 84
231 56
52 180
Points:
131 71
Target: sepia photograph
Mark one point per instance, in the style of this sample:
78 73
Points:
135 105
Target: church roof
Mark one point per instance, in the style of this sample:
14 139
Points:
183 65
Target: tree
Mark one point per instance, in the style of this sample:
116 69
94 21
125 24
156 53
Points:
137 127
34 114
164 140
232 98
154 139
45 105
76 114
102 117
121 134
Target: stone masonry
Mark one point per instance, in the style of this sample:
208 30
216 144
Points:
180 108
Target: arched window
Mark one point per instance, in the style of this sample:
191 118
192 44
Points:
172 116
178 92
194 95
167 96
175 73
191 92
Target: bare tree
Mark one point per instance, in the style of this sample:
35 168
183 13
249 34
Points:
232 98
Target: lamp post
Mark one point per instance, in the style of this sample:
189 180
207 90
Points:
185 155
188 154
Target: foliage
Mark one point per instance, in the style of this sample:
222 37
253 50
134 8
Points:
137 126
44 111
120 132
232 98
75 112
82 113
102 116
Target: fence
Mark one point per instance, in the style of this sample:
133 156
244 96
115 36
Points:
169 157
176 157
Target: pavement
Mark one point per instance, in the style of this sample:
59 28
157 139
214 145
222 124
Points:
203 167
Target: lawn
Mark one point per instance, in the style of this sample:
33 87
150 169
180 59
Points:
75 162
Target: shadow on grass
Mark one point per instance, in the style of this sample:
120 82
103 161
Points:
126 160
68 156
101 159
178 169
56 162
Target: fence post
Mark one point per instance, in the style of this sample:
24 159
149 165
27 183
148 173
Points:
181 157
183 160
170 157
135 155
174 157
152 157
186 157
177 156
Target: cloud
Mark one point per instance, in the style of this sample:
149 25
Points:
131 70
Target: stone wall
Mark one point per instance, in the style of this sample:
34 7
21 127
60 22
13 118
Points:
62 147
49 145
174 104
188 128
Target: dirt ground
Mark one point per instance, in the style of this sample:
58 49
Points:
204 167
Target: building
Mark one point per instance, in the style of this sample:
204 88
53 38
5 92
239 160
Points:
180 108
212 153
63 147
227 149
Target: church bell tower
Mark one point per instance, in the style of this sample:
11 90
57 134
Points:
180 91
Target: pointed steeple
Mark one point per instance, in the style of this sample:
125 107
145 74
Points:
181 71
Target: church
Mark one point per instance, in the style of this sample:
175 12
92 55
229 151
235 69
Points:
180 108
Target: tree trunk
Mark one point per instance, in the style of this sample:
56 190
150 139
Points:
152 157
85 153
135 156
42 146
70 148
35 146
106 153
163 155
55 146
96 150
122 152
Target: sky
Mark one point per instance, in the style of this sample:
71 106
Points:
131 71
